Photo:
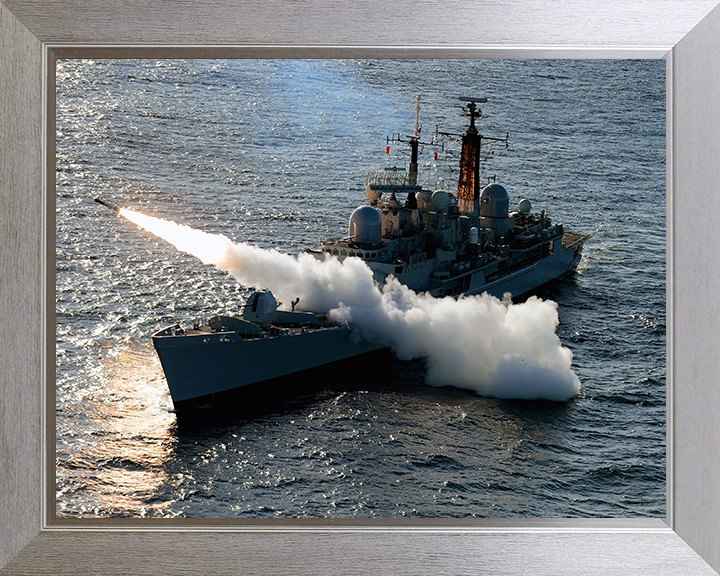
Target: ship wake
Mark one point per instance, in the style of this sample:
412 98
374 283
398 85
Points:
496 348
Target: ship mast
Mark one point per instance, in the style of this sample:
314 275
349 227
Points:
469 179
414 141
468 191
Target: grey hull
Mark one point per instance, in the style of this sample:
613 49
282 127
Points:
203 364
531 277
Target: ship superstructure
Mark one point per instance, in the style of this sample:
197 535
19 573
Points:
446 243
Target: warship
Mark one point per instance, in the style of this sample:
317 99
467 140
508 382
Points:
230 352
444 243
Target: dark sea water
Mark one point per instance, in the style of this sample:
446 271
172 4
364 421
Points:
275 153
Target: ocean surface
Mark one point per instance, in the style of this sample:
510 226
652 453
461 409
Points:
275 153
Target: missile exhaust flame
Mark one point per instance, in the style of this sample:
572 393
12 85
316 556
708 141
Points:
493 347
209 248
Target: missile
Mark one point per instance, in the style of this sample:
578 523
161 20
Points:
107 204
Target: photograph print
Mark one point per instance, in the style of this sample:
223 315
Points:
360 288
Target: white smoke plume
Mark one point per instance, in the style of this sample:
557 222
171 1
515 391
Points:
495 348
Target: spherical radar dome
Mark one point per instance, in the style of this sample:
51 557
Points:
424 199
372 194
440 199
525 206
365 226
494 201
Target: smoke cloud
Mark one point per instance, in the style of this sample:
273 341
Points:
493 347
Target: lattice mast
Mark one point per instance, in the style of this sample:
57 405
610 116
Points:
468 191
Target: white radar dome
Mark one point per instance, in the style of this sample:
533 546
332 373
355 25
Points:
440 199
365 226
373 194
474 233
424 199
260 307
494 201
525 206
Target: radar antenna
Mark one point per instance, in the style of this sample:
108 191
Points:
417 117
414 142
473 111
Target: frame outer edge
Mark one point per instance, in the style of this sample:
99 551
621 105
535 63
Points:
371 22
436 553
696 190
21 308
21 228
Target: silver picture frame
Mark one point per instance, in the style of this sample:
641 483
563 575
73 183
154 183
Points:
686 33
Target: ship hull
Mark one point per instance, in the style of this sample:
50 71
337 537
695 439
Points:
531 277
518 283
200 365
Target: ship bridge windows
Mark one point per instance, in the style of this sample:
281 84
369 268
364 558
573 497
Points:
365 254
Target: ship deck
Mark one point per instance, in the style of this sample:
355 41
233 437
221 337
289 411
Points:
572 240
272 330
